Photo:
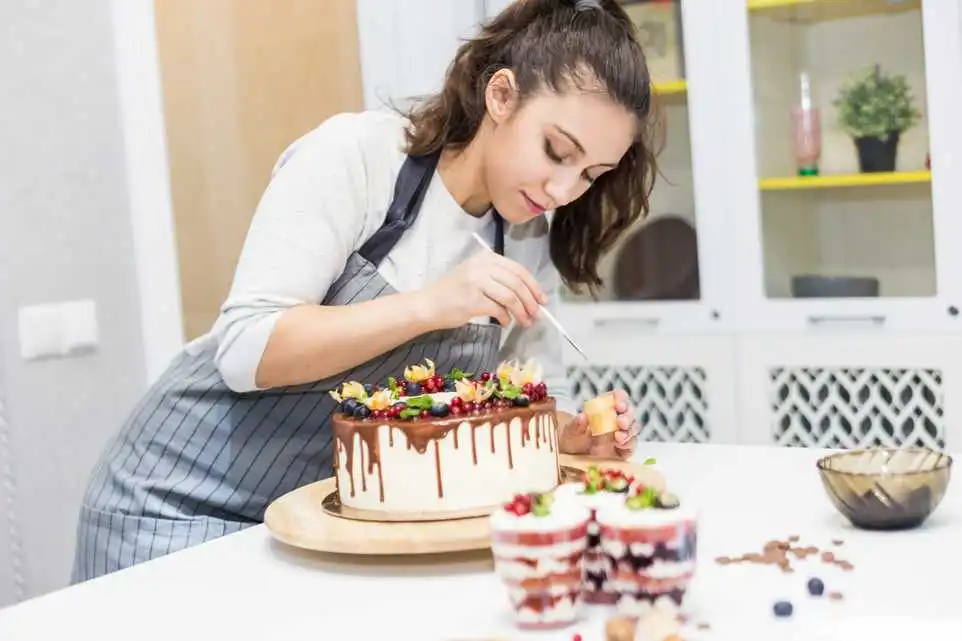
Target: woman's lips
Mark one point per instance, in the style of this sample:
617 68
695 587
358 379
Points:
533 206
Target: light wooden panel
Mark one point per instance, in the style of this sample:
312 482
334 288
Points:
241 81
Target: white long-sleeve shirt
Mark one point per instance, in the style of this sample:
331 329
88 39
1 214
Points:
329 193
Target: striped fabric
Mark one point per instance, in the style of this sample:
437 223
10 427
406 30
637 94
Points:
196 461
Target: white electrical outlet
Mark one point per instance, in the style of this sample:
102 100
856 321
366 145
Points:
50 330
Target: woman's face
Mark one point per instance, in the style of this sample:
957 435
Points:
546 151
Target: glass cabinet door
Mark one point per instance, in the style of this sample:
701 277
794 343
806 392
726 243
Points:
655 276
845 133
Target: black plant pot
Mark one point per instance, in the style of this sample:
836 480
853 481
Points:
875 154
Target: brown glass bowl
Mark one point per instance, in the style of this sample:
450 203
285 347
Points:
886 488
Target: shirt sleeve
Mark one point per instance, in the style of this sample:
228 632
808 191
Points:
544 343
307 223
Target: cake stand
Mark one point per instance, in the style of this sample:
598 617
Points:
299 519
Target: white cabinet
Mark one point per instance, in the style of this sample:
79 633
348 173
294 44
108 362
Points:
757 304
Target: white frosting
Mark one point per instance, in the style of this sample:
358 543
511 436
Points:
553 551
562 516
572 492
620 516
410 478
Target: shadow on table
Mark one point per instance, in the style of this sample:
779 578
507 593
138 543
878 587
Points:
374 564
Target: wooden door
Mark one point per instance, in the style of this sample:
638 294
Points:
242 80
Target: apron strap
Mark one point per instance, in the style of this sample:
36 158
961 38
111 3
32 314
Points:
409 190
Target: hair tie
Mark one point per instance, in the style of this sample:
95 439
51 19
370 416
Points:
587 5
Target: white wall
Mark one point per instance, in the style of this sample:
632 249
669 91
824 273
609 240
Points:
406 46
65 233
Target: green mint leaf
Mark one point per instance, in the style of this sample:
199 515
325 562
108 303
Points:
650 461
410 413
423 402
392 383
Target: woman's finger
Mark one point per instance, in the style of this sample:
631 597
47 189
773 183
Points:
506 298
530 281
519 288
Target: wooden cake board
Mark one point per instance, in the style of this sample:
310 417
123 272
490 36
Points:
299 520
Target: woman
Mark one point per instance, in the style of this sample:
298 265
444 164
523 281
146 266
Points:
360 260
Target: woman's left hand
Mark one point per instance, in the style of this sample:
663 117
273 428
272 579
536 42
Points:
576 437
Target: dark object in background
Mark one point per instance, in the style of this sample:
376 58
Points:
814 286
659 262
875 154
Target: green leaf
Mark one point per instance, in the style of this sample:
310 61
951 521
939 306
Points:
410 412
457 375
392 383
650 461
510 392
423 402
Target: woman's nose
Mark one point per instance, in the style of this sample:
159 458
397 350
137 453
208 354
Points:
562 189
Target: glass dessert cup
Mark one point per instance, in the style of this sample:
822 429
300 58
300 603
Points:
649 542
539 552
608 487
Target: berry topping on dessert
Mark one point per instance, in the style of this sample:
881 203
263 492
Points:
646 498
533 503
608 480
422 392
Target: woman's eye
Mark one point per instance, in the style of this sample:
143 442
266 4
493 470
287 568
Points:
550 152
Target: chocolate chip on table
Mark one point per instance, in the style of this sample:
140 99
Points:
838 542
703 626
835 596
793 538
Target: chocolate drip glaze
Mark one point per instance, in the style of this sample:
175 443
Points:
421 433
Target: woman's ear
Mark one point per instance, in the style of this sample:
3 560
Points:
501 95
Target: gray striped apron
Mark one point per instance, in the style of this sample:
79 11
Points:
196 461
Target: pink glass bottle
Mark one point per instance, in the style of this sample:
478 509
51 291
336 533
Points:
807 127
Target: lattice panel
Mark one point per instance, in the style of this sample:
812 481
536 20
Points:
671 402
849 408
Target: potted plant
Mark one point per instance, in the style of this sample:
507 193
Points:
875 108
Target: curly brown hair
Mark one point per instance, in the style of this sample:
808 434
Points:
558 44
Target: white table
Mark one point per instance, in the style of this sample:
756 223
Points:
246 586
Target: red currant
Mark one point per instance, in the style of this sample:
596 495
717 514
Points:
485 377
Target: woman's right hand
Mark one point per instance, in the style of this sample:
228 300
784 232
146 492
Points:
486 284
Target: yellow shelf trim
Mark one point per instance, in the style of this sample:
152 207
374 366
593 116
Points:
671 87
845 180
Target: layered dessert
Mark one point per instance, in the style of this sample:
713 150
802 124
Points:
432 445
649 541
539 545
601 487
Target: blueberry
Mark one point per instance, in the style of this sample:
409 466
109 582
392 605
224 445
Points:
521 401
816 587
414 389
361 411
439 410
369 389
783 609
348 406
449 385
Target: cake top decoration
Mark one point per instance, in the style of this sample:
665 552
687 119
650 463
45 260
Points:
647 498
420 391
533 503
607 480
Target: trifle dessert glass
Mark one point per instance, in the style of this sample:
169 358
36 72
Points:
649 540
539 547
601 487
